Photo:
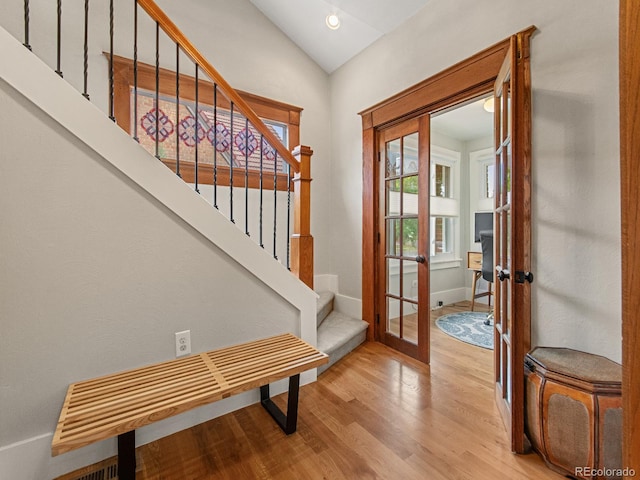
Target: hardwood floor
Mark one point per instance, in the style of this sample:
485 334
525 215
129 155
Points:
376 414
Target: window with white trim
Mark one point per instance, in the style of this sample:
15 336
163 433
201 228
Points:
444 242
481 187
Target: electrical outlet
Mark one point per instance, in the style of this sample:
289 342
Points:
440 303
183 343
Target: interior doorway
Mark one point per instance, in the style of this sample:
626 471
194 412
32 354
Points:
508 62
461 202
436 181
462 190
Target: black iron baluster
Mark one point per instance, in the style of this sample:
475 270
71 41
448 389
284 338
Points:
288 216
86 48
195 133
135 71
215 145
111 89
275 203
261 203
157 90
26 25
178 110
59 39
231 171
246 176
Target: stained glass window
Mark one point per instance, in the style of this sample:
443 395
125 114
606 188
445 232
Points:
237 143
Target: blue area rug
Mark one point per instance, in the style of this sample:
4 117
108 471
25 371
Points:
468 327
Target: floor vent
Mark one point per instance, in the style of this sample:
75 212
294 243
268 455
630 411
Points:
106 473
107 470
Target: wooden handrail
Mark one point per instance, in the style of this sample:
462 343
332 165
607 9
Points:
192 52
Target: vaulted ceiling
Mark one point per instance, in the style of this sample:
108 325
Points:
362 22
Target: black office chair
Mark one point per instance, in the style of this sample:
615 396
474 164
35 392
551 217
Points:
486 241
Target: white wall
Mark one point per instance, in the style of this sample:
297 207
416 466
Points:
103 258
576 218
576 258
97 276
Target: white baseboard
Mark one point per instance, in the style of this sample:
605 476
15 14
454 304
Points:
31 459
353 306
448 296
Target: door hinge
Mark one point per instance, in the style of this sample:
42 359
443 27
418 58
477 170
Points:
378 237
379 156
378 318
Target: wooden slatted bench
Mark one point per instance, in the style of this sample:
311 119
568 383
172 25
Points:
118 404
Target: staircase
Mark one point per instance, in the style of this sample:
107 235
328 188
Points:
338 334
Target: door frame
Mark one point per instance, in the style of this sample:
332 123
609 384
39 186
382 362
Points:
630 200
463 81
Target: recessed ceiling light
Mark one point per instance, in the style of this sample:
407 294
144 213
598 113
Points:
488 105
333 22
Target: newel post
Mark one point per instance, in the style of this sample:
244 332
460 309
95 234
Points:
301 239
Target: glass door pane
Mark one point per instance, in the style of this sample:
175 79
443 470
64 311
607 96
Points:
403 249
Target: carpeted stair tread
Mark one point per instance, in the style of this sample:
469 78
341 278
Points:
338 335
325 306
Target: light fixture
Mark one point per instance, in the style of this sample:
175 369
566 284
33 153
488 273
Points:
333 22
488 105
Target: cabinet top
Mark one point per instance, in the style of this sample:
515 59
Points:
579 365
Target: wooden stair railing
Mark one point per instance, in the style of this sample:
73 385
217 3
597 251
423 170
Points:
196 57
301 239
301 254
296 175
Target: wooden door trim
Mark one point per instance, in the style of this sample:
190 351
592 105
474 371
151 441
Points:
521 219
458 83
475 74
424 279
630 200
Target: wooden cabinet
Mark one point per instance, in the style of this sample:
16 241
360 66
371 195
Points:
573 411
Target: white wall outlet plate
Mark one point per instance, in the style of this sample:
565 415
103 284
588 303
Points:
183 343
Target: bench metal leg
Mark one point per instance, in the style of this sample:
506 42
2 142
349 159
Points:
127 456
288 422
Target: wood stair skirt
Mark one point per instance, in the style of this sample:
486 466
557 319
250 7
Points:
338 334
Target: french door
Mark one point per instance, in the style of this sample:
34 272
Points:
512 315
403 321
386 305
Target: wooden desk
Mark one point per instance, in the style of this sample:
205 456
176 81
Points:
474 263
